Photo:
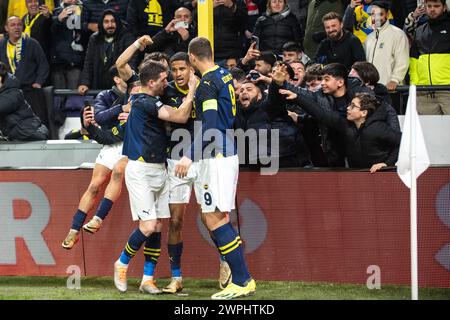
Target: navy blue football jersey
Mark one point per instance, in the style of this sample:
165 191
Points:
145 134
173 97
215 107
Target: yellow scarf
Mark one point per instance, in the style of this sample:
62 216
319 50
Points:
14 53
29 24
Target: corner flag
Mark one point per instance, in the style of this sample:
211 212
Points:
412 146
412 161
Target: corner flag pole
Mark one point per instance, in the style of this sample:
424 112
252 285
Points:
413 197
205 21
413 160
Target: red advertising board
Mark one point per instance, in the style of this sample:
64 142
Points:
305 226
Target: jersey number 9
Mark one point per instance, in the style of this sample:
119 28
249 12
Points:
233 99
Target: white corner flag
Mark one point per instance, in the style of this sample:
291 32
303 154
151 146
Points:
413 157
412 161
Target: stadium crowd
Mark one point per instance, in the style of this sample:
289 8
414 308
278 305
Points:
285 57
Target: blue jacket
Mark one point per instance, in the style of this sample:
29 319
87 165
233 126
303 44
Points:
108 106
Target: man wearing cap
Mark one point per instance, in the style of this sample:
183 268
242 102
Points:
387 47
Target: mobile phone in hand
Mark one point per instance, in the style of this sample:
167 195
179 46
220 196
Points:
254 75
181 24
255 40
88 105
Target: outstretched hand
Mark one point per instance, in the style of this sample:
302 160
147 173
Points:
280 74
288 94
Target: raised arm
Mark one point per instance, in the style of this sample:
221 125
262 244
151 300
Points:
122 63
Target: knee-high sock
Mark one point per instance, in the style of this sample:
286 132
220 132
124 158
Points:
222 258
78 220
229 244
175 252
104 208
152 251
137 238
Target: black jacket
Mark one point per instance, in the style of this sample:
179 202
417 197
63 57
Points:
254 117
275 30
95 73
34 65
171 42
17 120
68 47
40 31
92 10
346 51
374 142
332 142
267 114
229 25
141 22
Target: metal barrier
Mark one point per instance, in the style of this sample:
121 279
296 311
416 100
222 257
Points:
56 120
403 90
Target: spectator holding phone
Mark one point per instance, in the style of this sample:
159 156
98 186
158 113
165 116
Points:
247 62
37 23
68 47
176 35
277 26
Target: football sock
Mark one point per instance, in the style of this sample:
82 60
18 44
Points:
229 244
137 238
104 208
78 220
152 251
175 252
222 258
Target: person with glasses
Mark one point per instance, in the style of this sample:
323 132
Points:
368 140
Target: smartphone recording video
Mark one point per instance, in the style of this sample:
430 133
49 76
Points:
181 24
255 39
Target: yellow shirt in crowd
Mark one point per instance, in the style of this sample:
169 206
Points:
18 7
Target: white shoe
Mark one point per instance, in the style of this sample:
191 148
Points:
93 225
120 276
149 286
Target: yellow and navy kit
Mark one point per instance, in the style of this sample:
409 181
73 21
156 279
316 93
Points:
215 107
363 22
173 97
145 135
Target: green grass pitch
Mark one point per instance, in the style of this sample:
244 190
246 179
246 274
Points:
102 288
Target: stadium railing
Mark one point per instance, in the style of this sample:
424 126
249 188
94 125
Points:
402 93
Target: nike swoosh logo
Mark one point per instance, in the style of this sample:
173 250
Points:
227 282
